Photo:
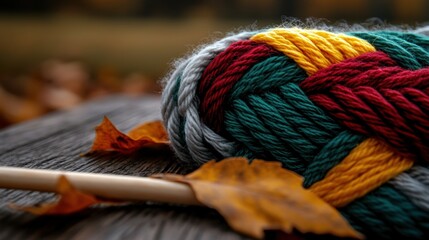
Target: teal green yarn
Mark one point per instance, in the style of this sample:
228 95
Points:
309 116
421 41
268 74
283 129
270 115
315 133
385 212
331 154
237 129
242 151
408 54
363 219
251 124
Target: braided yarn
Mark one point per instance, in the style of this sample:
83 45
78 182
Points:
348 111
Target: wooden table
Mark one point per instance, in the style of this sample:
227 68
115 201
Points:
56 142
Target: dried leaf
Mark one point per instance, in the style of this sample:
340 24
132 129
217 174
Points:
263 196
152 130
71 201
108 138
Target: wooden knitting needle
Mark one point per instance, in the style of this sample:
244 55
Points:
109 186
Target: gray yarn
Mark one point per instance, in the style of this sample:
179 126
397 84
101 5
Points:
185 107
421 174
422 30
170 113
168 102
219 143
414 185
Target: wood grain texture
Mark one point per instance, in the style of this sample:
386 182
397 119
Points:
56 142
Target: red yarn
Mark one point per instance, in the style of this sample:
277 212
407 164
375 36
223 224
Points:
221 75
371 95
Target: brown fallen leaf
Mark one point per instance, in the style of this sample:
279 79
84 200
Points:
151 130
71 200
263 196
148 135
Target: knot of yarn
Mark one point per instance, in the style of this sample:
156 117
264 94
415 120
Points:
348 111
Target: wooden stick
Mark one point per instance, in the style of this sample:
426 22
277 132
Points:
103 185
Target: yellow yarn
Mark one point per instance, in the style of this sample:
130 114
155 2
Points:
367 167
313 50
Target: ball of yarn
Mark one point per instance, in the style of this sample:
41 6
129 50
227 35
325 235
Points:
347 111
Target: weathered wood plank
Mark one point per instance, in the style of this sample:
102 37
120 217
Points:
56 142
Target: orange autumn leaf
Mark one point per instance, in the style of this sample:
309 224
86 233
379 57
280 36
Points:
152 130
71 201
263 196
109 138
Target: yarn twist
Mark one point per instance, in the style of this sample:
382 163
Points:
348 111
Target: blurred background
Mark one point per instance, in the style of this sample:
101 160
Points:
57 54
